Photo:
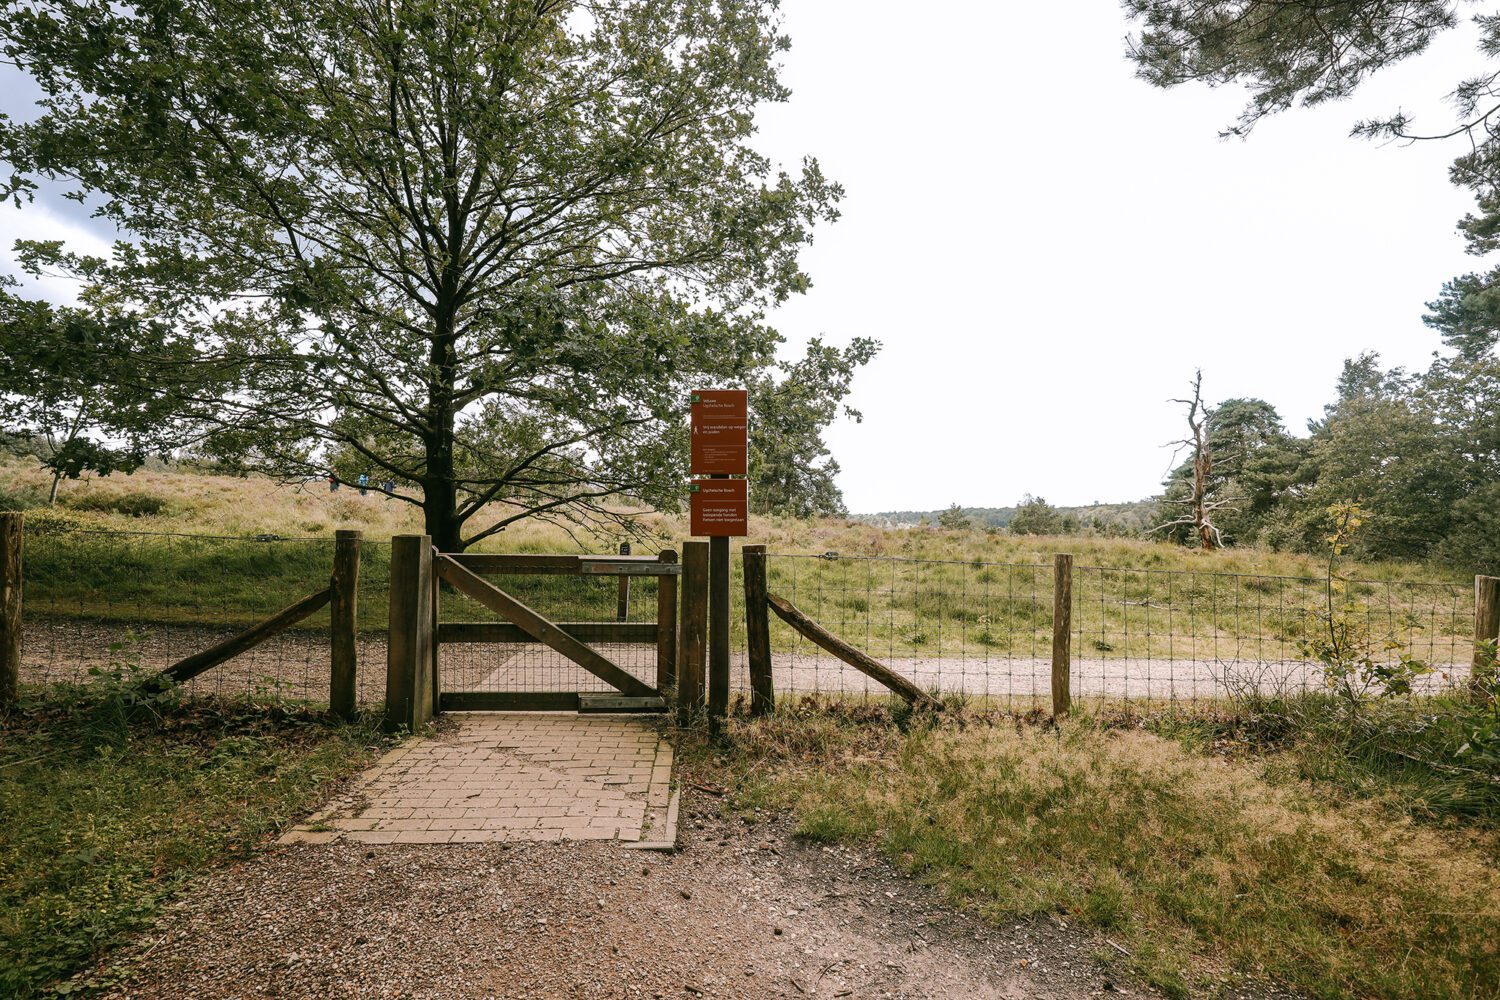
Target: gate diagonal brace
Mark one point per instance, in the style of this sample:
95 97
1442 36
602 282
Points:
539 628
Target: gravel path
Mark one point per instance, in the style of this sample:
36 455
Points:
738 912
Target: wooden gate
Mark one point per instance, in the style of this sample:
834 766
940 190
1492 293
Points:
418 684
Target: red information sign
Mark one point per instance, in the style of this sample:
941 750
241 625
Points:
720 507
721 433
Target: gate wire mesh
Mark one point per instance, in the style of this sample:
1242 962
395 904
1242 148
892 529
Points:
533 667
984 630
97 601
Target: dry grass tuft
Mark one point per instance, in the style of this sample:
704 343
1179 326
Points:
1199 866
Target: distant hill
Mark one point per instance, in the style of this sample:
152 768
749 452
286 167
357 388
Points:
1114 518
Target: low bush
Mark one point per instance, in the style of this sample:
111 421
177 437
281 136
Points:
130 504
14 496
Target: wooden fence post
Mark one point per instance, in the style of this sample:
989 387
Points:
622 603
343 610
758 630
692 646
718 631
1062 634
666 626
408 684
1486 630
10 608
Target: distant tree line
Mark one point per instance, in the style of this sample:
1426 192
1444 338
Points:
1034 516
1418 450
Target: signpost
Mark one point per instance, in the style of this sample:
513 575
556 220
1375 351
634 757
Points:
719 508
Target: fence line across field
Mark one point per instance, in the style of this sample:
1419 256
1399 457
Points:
971 627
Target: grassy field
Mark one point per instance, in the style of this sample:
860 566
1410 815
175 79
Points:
1197 871
105 818
897 592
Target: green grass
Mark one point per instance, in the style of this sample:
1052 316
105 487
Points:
900 593
105 819
1201 868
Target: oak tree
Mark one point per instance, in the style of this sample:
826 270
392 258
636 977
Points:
478 249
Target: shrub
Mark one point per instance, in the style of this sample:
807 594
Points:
52 521
131 504
18 497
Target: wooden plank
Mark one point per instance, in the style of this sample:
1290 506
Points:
11 540
1486 634
589 701
408 683
508 562
1062 634
692 629
666 623
509 701
191 666
860 661
343 612
627 632
539 628
758 630
612 566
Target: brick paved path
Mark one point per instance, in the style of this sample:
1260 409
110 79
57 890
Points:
511 776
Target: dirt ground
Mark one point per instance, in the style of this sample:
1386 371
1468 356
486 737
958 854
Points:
738 912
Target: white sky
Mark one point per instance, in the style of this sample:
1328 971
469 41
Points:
1047 247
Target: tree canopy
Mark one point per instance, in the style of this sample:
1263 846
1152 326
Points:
1316 51
479 250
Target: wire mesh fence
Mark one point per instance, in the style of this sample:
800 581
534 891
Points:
985 630
97 601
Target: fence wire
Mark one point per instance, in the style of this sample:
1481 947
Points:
984 630
97 601
102 601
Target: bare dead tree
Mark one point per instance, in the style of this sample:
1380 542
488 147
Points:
1200 505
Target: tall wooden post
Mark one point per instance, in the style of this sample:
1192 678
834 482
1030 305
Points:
622 604
10 608
343 611
408 681
1062 634
666 626
758 630
1486 633
718 630
692 645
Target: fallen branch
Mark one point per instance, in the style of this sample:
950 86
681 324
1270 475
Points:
867 665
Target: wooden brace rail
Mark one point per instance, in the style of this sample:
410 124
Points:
867 665
189 667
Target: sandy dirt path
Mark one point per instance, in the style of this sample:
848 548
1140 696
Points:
739 912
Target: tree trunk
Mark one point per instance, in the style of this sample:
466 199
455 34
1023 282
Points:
439 520
52 494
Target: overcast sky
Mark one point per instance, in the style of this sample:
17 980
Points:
1047 247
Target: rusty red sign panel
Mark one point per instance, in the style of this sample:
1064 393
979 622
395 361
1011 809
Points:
719 507
721 432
